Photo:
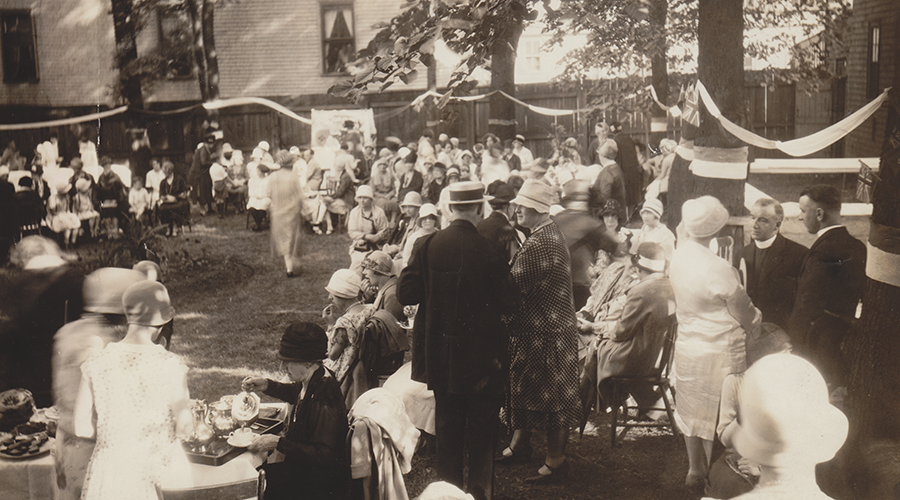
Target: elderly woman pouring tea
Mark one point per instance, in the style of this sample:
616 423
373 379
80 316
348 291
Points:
315 459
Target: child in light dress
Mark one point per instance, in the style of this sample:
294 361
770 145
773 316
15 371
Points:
60 219
138 199
83 206
653 230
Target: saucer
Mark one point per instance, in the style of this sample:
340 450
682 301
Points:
238 444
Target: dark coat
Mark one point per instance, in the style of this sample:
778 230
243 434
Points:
773 286
462 284
610 185
29 206
631 170
314 444
416 183
831 283
388 300
639 336
496 227
584 236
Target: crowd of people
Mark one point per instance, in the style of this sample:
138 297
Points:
528 284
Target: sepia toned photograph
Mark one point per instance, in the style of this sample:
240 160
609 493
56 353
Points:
449 249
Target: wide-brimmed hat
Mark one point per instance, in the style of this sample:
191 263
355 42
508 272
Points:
785 416
412 199
463 193
263 145
653 205
650 257
427 210
379 262
576 190
104 288
344 283
147 303
303 342
704 216
364 191
536 195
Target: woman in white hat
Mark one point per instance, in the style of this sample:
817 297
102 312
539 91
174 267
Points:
714 316
543 349
134 396
367 226
426 223
346 319
653 230
787 426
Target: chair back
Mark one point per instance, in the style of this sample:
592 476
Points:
725 248
668 349
247 489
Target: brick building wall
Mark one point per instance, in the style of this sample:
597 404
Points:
866 140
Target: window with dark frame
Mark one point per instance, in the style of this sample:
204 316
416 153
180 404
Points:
338 43
874 62
17 44
175 42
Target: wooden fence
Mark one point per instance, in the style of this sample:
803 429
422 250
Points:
175 136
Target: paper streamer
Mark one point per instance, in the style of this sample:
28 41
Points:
797 147
65 121
241 101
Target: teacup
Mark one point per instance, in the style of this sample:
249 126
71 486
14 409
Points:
241 437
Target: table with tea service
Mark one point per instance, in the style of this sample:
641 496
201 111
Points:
216 449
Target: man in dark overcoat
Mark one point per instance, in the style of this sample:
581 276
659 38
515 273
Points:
770 264
462 284
831 283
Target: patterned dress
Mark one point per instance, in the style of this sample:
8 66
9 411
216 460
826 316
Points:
133 388
348 329
543 347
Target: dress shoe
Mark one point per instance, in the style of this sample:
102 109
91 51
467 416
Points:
556 476
519 456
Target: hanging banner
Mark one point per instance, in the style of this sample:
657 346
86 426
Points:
241 101
64 121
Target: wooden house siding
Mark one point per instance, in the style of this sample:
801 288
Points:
74 43
866 140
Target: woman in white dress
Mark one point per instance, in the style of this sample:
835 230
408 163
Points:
714 316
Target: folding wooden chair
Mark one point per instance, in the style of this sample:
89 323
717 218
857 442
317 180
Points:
247 489
659 379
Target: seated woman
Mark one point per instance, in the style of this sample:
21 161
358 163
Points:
346 318
315 462
258 201
339 194
113 197
174 208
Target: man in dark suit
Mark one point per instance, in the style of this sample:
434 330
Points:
497 226
831 282
462 284
770 264
584 236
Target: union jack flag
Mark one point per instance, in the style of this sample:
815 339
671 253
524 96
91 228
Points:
691 112
865 182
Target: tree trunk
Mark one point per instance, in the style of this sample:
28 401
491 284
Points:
502 114
872 405
659 72
195 10
717 154
126 54
209 45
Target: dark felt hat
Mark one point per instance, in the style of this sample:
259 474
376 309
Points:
303 342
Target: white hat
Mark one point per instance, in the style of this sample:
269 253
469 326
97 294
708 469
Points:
454 141
256 154
785 416
443 137
535 194
263 145
703 216
103 289
344 283
295 150
364 191
651 257
653 205
426 210
226 148
412 199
